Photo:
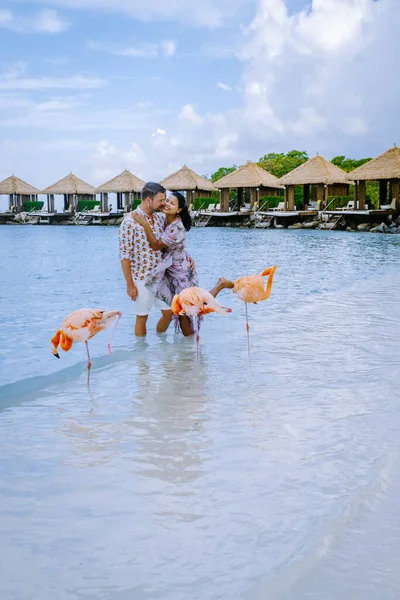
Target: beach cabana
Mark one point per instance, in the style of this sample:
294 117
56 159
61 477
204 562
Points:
126 186
190 183
74 190
250 178
329 180
19 192
385 169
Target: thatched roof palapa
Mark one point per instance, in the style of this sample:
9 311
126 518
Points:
317 170
70 185
385 166
186 179
125 182
249 175
14 185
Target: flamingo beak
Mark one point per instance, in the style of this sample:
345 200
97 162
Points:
55 353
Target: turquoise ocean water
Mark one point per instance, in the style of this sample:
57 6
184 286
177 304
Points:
176 479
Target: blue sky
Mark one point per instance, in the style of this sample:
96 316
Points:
96 86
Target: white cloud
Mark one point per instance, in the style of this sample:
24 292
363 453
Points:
11 101
78 82
189 115
169 47
58 104
106 160
153 50
57 61
159 132
46 21
5 17
14 70
226 147
310 74
224 86
208 13
321 79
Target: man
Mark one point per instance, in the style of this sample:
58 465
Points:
138 259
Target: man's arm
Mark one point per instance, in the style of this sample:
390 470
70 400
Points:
125 243
155 244
191 262
131 288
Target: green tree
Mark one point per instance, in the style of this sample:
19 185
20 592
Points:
222 171
372 187
280 164
348 164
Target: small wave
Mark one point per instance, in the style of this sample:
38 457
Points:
13 394
304 560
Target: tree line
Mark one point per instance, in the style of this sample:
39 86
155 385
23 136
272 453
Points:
280 164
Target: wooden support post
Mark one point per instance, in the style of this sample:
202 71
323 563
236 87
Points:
395 193
321 195
306 195
361 195
239 198
104 202
50 203
253 197
289 204
355 197
224 199
383 190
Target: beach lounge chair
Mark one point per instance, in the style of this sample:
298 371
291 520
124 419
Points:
349 205
281 206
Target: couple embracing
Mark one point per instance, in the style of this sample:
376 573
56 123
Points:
154 258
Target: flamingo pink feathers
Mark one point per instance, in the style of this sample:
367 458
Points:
194 302
80 326
251 288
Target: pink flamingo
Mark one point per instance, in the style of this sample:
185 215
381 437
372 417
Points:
80 326
251 288
194 302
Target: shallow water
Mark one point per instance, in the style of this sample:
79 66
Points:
177 479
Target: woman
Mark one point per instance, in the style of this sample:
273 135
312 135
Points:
174 273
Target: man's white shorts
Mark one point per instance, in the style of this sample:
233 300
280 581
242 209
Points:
146 301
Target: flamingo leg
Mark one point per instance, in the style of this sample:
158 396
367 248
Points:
89 364
248 331
112 333
197 338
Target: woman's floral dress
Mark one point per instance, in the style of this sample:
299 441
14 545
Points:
173 273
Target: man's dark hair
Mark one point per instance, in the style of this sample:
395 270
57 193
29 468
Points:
151 189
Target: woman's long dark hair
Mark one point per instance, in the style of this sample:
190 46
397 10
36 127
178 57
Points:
184 214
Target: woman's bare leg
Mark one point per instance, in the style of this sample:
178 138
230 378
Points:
186 329
165 321
222 284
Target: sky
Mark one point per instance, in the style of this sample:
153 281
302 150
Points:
97 86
